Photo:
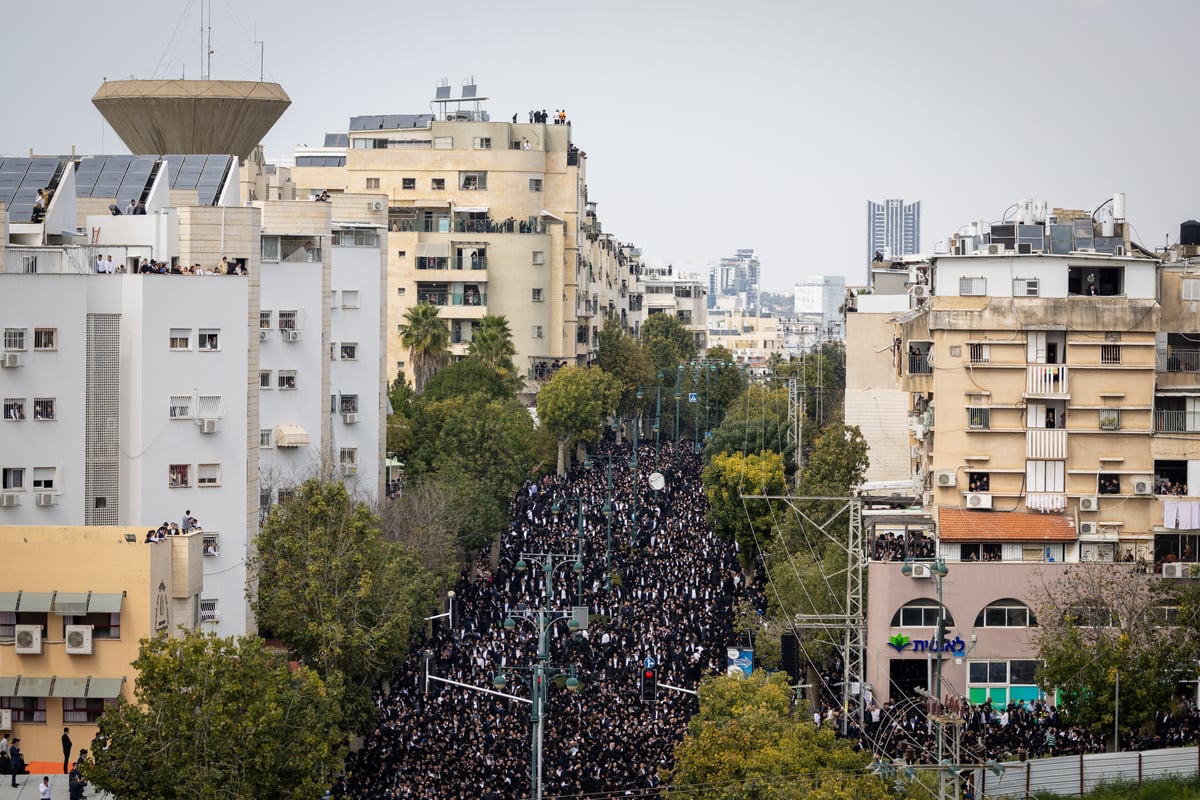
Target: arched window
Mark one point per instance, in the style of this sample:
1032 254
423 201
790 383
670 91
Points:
1006 613
920 614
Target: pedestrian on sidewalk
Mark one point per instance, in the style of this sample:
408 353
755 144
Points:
66 745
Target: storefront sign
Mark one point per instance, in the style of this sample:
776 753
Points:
900 643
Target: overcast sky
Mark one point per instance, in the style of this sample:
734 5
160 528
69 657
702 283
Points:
709 126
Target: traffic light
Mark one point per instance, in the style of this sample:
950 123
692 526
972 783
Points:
649 685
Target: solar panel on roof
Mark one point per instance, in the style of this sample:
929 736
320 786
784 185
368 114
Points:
134 183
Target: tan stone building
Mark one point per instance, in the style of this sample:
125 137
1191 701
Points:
76 604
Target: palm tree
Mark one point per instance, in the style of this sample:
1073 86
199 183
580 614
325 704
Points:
492 343
428 341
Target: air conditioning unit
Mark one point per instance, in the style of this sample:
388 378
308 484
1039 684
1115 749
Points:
1087 529
1089 503
979 500
263 333
5 719
1175 570
1143 485
920 571
1119 250
918 430
79 640
995 249
29 640
11 360
919 291
10 500
291 336
44 499
946 478
375 205
349 469
350 419
209 425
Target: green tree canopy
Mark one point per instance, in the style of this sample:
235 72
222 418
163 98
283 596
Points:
218 718
748 522
746 744
427 338
463 378
329 586
620 355
492 344
574 404
668 343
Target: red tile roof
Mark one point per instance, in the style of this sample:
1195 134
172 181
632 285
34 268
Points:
961 525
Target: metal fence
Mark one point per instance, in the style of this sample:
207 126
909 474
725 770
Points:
1077 775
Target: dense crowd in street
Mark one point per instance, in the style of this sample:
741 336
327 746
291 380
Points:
669 594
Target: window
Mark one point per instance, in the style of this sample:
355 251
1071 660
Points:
372 183
45 478
104 625
287 379
437 184
208 609
1096 281
265 437
1026 287
443 143
1191 288
1045 476
539 258
14 408
471 181
210 339
1090 616
536 332
12 478
981 353
269 248
349 351
535 184
920 614
43 408
45 338
348 456
14 338
208 475
179 476
181 338
408 183
1110 419
286 495
1110 354
264 320
979 482
356 237
483 143
920 358
1108 483
349 298
1005 614
212 543
287 320
400 290
264 379
349 404
537 295
181 406
972 287
25 709
209 406
979 418
29 265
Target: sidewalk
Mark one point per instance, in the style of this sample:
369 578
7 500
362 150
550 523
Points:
27 787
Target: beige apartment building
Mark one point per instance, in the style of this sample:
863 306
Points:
1051 374
483 218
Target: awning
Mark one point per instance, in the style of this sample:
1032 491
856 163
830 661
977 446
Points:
357 225
36 602
470 209
546 213
70 604
290 436
962 525
431 204
70 687
8 686
433 249
32 687
8 602
105 603
105 688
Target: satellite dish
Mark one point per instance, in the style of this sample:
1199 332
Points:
657 481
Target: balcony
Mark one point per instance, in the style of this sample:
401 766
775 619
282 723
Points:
1042 380
1176 421
1046 443
1046 502
475 263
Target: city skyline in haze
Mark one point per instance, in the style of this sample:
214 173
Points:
708 128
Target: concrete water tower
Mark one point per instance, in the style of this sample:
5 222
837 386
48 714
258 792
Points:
190 117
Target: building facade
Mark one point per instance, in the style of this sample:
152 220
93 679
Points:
893 229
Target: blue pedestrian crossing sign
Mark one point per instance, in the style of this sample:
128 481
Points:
648 663
693 397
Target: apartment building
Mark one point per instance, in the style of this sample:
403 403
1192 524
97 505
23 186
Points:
76 604
483 218
678 294
1048 373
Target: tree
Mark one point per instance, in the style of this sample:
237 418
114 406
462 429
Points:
344 600
399 426
463 378
668 343
218 718
1098 620
574 404
748 522
747 744
427 517
428 341
620 355
492 344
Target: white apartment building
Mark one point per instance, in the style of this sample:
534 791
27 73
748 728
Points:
679 294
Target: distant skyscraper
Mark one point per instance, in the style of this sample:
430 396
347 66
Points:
736 276
894 227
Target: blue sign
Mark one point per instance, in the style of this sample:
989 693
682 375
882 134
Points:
739 659
693 397
648 663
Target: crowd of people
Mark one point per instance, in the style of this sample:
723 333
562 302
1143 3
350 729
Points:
105 265
668 594
898 546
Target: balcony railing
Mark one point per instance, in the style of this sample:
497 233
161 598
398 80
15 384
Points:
479 262
1045 502
1177 360
1046 379
918 364
1046 443
1176 421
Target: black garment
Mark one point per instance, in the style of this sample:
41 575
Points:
66 745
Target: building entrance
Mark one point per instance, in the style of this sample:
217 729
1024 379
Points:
906 676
